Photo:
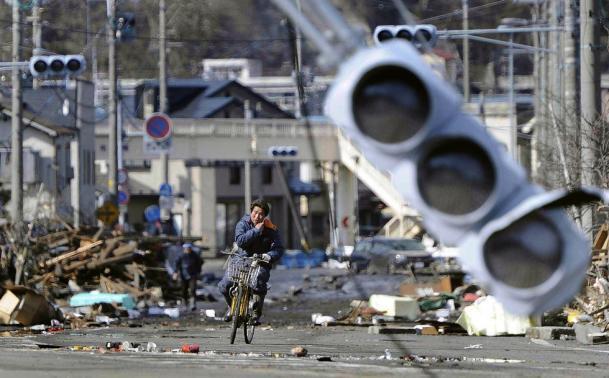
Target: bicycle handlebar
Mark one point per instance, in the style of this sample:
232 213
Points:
254 257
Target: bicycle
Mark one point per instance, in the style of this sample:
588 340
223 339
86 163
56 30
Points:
243 272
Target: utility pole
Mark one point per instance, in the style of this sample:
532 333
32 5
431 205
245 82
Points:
569 99
512 103
466 96
551 175
590 97
16 123
112 108
76 147
247 166
163 108
298 65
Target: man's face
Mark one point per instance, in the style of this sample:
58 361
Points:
257 215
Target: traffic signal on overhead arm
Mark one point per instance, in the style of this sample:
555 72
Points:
418 35
125 26
283 151
57 66
513 236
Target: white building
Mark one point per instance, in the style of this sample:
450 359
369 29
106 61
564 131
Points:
59 152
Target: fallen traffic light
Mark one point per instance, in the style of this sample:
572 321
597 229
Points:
468 190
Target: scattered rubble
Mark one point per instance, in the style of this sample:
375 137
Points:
76 270
299 351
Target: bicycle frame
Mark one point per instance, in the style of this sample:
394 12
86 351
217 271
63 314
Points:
243 272
242 283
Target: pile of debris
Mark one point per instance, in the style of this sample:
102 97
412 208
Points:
91 273
446 306
592 305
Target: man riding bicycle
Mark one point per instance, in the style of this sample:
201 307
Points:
255 234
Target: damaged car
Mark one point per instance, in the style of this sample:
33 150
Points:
389 255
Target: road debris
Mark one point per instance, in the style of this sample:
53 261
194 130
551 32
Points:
299 351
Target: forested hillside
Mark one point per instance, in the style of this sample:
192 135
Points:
199 29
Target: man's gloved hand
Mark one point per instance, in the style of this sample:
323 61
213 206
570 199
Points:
266 257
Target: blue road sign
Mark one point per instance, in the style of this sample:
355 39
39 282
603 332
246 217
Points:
123 197
152 213
158 126
165 190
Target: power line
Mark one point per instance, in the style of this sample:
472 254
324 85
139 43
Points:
460 11
169 39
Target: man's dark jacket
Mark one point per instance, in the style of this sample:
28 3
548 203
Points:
251 240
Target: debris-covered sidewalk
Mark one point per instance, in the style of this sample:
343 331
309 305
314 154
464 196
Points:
59 276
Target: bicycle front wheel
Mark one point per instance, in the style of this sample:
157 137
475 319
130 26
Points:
249 325
236 315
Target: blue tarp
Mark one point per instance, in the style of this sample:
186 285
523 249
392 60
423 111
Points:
88 299
293 259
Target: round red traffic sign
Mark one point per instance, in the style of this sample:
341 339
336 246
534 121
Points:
158 126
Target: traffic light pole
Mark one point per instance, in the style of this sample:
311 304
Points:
112 132
16 123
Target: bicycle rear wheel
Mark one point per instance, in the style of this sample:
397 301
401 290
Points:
249 325
236 315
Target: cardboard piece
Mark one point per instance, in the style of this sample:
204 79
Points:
442 285
8 304
426 330
25 306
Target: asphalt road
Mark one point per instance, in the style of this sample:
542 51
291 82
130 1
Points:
352 351
332 351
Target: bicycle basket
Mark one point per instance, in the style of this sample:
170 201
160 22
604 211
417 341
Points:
237 265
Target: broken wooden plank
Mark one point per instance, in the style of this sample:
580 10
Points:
98 234
110 246
109 261
601 237
68 255
124 249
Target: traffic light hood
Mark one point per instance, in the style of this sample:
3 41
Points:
389 98
533 258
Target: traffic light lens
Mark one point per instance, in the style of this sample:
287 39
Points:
57 65
390 104
40 66
456 176
73 65
404 34
384 35
526 253
422 35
